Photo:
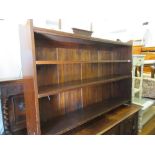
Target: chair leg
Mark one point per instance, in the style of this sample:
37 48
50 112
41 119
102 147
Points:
141 82
133 82
140 121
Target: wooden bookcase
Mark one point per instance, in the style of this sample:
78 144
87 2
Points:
71 79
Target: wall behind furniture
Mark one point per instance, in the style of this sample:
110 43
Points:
10 63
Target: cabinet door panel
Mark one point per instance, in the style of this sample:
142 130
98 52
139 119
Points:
129 126
17 116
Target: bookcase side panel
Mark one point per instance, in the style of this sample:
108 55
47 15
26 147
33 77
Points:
30 79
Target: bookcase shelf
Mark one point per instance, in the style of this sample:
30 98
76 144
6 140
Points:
80 62
65 123
57 88
70 80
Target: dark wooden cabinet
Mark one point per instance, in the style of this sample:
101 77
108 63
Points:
70 80
130 126
13 107
127 127
121 121
17 117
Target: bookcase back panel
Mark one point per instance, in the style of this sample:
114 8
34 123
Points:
59 74
47 75
46 53
121 89
69 72
105 70
89 54
69 54
53 50
121 69
44 50
121 53
104 54
125 88
60 104
89 71
70 101
50 108
95 94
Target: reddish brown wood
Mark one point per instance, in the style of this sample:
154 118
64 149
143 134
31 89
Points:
8 89
60 36
114 122
57 88
74 119
78 62
30 79
65 73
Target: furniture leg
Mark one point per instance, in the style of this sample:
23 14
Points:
140 120
5 116
141 82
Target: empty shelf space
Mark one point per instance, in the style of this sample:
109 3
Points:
46 62
57 88
106 122
69 37
65 123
